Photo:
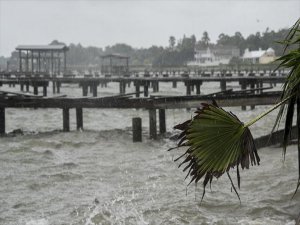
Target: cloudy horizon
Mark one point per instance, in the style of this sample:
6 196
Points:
138 23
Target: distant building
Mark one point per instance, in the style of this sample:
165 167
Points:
115 64
259 56
215 56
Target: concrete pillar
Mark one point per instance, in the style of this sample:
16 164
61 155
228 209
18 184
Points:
95 86
79 118
152 124
21 86
66 120
136 129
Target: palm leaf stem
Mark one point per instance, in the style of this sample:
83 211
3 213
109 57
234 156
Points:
251 122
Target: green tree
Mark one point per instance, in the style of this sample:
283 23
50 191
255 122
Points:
172 42
205 38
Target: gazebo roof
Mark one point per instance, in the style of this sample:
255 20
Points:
119 56
42 47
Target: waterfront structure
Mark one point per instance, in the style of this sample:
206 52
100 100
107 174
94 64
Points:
115 64
259 56
214 56
50 59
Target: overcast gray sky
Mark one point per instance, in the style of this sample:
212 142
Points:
139 23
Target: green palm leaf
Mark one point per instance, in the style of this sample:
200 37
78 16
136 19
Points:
217 141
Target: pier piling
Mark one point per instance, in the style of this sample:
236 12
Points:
2 120
66 120
136 129
79 119
152 124
162 121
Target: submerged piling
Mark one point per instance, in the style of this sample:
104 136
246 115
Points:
136 129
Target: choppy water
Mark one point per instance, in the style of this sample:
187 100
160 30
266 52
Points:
100 177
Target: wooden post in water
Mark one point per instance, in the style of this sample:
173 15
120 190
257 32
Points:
174 84
252 86
188 88
58 84
2 121
79 119
146 92
137 89
27 87
198 88
243 87
21 86
137 129
45 90
152 124
53 87
66 120
84 89
35 89
95 86
162 121
223 85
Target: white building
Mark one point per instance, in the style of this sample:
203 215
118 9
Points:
259 56
214 56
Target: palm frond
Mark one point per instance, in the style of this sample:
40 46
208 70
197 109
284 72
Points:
217 141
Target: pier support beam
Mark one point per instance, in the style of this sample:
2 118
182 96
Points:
198 85
146 92
137 90
174 84
136 129
35 90
21 87
243 87
58 84
79 119
223 85
53 87
2 121
66 120
95 86
152 124
188 88
27 87
45 90
122 87
84 89
162 121
252 86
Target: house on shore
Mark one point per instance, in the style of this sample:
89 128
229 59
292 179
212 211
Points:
259 56
214 56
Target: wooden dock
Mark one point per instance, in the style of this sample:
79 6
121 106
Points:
191 82
153 105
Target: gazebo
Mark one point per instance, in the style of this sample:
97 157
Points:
114 64
42 58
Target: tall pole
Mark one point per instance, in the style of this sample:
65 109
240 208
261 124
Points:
20 61
65 61
39 61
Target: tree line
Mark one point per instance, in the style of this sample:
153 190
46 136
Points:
178 52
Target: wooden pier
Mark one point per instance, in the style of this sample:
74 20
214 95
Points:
192 83
155 105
